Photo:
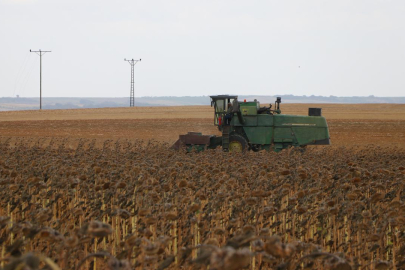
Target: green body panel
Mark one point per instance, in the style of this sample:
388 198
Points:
282 130
282 120
248 108
300 130
265 120
250 121
307 135
259 135
284 135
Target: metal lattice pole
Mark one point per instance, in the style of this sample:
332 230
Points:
132 62
40 53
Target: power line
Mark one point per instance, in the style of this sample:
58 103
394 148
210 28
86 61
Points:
40 53
24 82
132 62
20 72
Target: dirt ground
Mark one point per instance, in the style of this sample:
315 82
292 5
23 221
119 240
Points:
350 124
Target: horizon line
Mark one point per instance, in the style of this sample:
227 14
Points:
306 96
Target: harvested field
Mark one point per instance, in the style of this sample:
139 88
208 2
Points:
330 111
350 125
343 132
82 191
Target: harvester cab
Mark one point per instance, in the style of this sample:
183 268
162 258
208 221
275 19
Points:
223 105
247 126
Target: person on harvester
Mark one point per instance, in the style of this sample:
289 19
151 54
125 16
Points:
229 114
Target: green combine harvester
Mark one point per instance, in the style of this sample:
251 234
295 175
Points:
247 126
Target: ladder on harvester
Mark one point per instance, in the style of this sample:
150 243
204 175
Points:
225 137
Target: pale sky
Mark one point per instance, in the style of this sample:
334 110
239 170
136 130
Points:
193 48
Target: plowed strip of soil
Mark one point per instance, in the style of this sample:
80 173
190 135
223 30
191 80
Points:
344 132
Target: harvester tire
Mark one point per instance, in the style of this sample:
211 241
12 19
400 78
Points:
237 143
254 148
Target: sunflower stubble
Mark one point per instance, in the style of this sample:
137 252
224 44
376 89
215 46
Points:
138 205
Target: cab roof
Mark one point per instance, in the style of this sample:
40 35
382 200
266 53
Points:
223 96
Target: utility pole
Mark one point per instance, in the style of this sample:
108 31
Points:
132 62
40 53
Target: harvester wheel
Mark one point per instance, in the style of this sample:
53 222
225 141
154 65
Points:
237 143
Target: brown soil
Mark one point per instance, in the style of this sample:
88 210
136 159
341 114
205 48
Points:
351 125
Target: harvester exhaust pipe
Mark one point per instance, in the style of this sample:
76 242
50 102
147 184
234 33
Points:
277 105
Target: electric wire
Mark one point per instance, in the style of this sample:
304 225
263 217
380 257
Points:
28 75
20 72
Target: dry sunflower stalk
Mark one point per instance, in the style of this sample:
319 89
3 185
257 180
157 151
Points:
139 205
